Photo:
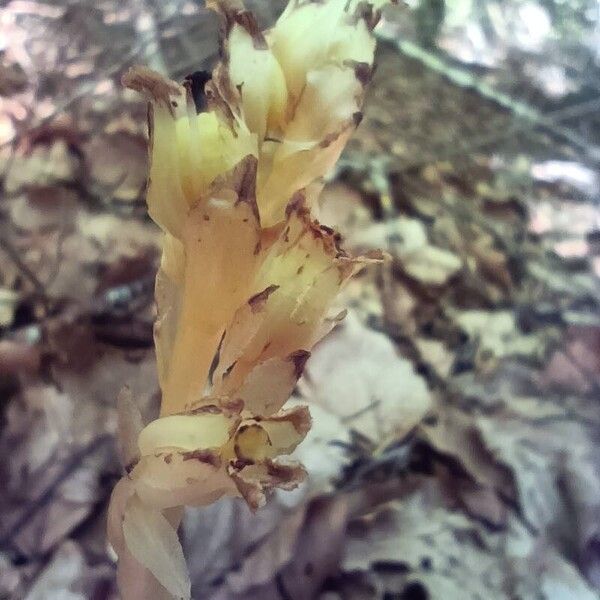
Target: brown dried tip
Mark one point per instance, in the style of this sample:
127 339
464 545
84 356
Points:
328 236
258 301
232 12
368 13
152 84
254 481
286 477
296 203
250 491
376 256
362 70
203 456
232 406
299 417
299 359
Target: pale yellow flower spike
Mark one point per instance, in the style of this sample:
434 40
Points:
247 275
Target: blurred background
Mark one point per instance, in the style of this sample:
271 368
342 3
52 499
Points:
457 409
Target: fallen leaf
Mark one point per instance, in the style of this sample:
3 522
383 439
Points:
417 540
292 558
219 538
406 240
70 576
576 366
44 166
343 208
358 375
44 209
454 434
435 354
52 481
497 334
118 163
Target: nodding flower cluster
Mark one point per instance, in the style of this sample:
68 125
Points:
248 274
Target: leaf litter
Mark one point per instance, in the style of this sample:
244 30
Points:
454 449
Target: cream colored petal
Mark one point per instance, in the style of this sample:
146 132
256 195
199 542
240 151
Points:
134 580
301 38
187 151
291 171
185 432
154 543
331 97
287 428
174 478
309 35
207 149
166 200
250 80
119 497
256 72
327 113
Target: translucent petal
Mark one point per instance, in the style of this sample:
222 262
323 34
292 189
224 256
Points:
154 543
174 478
256 72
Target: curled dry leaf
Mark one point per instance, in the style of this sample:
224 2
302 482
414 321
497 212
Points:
294 554
481 482
220 537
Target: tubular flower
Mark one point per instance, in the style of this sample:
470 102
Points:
247 275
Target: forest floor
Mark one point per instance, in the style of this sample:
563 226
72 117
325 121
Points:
455 450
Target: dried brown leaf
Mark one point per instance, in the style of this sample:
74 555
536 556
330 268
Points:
358 375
